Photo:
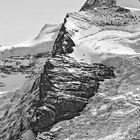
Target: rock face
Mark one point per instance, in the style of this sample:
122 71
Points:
113 113
89 88
98 32
90 4
63 43
61 92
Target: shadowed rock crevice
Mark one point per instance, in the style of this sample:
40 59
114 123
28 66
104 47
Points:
63 43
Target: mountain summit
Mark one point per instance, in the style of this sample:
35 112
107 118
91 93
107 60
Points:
90 4
97 31
89 89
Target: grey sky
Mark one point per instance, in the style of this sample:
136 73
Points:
21 20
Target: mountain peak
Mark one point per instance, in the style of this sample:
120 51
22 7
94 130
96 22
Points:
90 4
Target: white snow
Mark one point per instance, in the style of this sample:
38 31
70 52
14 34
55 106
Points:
3 48
2 92
94 44
135 11
47 37
29 43
99 45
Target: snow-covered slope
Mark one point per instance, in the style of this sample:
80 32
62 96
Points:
48 33
70 100
43 42
106 43
98 42
105 31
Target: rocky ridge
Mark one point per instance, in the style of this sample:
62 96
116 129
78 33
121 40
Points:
91 4
89 27
78 98
61 92
112 113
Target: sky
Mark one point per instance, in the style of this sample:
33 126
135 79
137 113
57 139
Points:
21 20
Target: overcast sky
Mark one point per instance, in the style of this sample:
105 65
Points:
21 20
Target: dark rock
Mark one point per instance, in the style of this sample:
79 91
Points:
90 4
63 44
65 92
61 93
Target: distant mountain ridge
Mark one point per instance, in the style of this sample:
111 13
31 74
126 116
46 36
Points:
42 42
47 29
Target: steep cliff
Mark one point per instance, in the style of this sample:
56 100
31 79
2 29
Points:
89 88
61 92
99 32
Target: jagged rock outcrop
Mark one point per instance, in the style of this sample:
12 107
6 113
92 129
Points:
59 93
63 43
89 89
96 33
113 113
90 4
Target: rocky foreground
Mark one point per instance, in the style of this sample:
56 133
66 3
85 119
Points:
89 89
61 92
